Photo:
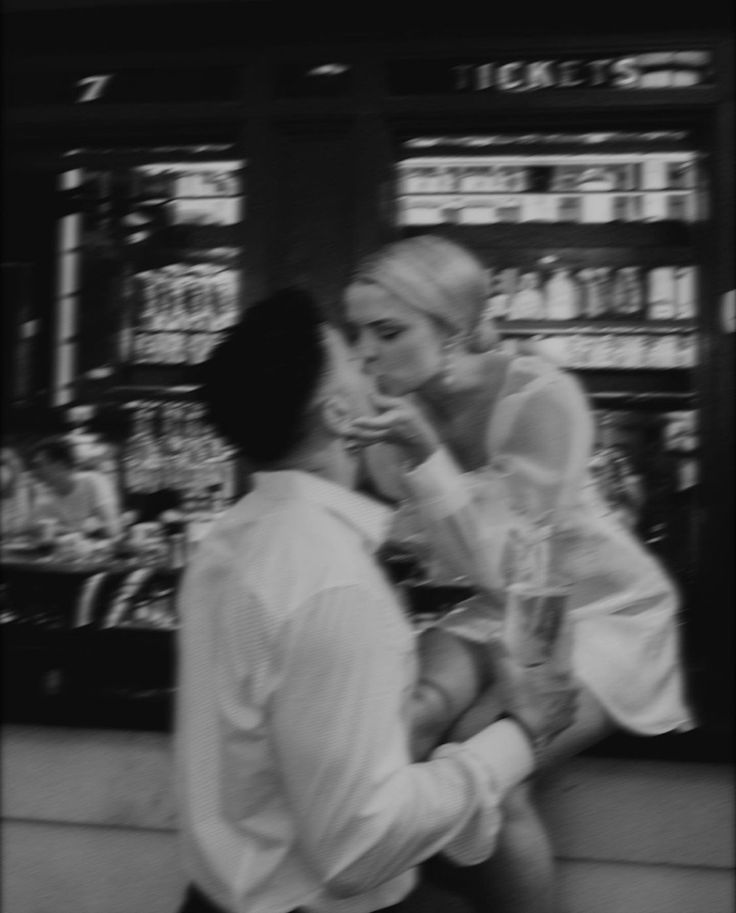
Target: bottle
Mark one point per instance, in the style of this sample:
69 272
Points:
528 302
669 350
685 292
127 311
677 207
569 209
591 300
654 174
502 292
661 294
151 462
620 208
687 351
620 294
128 454
655 206
605 289
176 281
446 180
632 302
561 296
596 185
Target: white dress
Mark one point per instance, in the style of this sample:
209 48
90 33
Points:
623 607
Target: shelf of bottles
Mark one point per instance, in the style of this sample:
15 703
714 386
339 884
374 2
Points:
174 314
575 187
150 257
613 299
599 317
177 313
171 446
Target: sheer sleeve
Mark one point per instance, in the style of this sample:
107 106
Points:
539 445
543 450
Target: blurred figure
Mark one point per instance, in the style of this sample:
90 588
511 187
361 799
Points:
80 501
16 492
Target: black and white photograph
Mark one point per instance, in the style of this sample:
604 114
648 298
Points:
367 520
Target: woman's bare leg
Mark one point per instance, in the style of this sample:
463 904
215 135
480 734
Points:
520 875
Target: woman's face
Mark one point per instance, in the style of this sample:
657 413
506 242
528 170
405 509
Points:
401 347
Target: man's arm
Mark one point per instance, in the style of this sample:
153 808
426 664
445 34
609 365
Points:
365 813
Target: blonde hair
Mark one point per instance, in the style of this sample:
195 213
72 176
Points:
434 276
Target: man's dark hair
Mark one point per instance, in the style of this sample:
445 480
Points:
259 381
55 449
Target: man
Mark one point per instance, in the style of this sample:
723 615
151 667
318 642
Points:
298 671
79 500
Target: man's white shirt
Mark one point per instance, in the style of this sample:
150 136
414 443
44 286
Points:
297 663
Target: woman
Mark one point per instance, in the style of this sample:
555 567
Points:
520 432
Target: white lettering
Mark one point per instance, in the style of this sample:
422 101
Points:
507 78
568 71
626 73
519 75
539 75
484 76
93 87
600 71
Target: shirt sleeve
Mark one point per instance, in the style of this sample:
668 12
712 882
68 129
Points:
365 813
534 475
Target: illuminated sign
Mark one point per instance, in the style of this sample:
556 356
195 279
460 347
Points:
657 70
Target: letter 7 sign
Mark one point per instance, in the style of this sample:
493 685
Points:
92 87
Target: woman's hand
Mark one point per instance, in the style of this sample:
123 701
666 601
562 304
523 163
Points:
398 422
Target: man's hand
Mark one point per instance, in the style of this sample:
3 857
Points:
398 422
541 699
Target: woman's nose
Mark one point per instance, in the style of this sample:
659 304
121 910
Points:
365 348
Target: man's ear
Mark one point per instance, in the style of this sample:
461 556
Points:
335 414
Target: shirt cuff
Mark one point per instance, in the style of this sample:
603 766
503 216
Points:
506 751
438 481
496 760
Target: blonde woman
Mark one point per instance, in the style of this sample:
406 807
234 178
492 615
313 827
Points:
505 442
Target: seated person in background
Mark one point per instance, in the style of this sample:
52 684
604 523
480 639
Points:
16 494
81 501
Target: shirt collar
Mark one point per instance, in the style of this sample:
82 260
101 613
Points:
367 517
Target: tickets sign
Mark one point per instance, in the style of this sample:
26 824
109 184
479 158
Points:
656 70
